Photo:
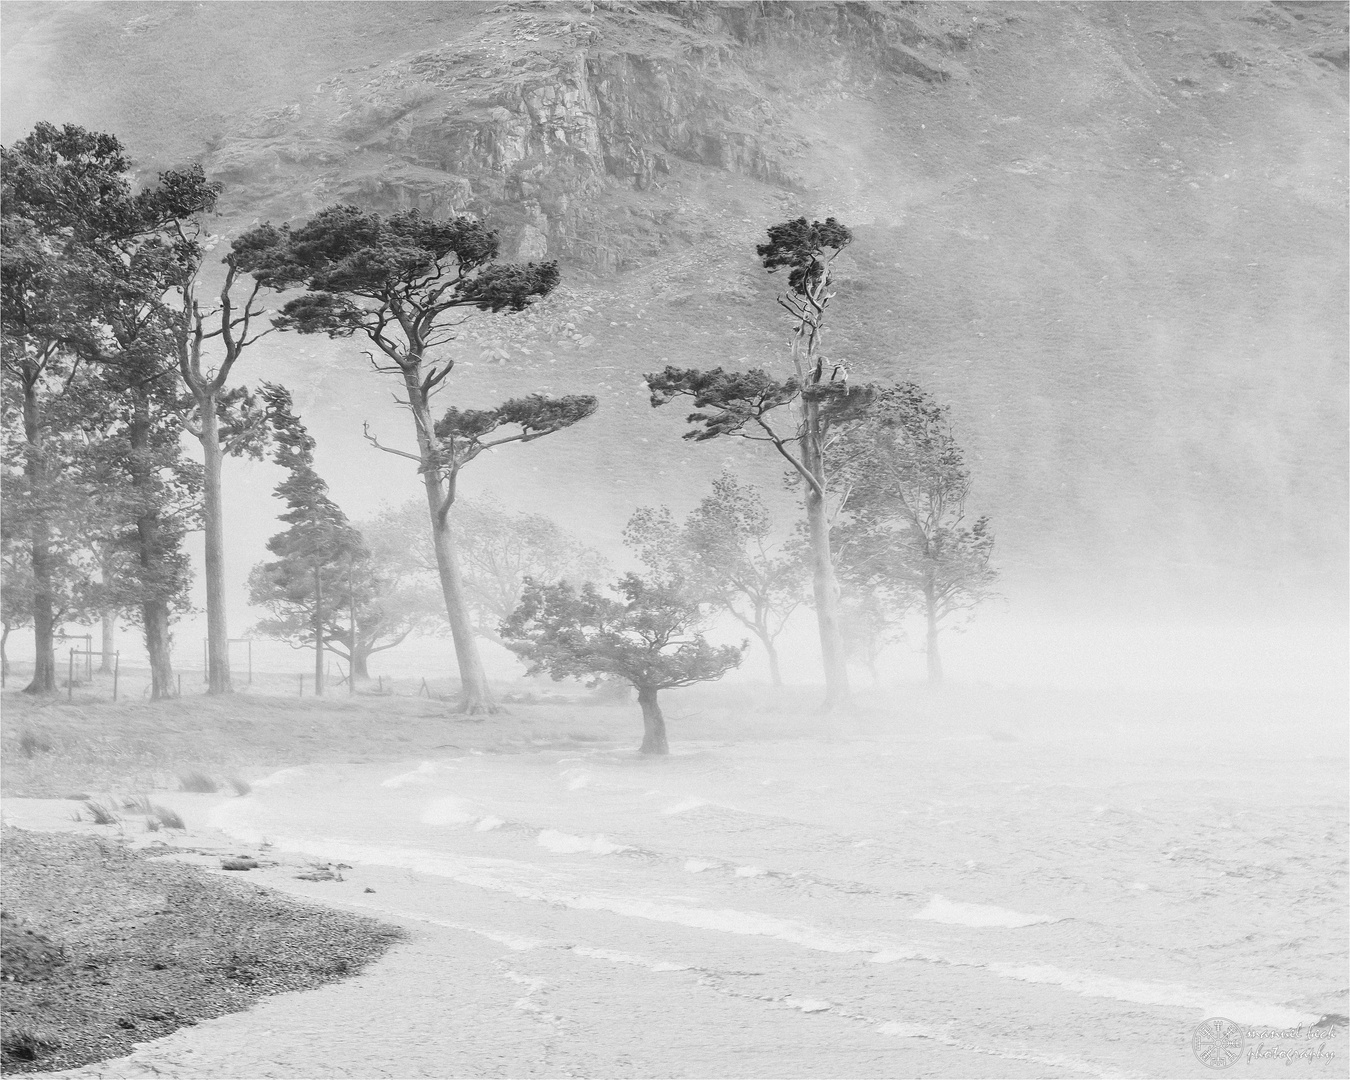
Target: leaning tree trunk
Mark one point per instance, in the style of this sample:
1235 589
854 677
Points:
934 660
39 537
217 632
154 608
653 723
823 585
476 696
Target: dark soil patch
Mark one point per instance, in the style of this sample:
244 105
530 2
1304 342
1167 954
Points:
103 947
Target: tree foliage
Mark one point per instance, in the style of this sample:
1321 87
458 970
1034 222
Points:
725 554
799 415
649 636
406 283
306 587
906 537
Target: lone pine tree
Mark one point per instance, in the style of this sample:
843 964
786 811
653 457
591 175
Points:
795 415
650 638
405 283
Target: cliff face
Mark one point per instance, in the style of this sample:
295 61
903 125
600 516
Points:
563 123
1112 236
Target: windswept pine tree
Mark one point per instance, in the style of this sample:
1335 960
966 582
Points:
405 283
796 415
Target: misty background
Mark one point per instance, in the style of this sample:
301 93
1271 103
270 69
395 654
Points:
1112 238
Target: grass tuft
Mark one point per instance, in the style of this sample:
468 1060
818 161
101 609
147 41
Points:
31 743
241 787
100 814
200 782
24 1043
170 819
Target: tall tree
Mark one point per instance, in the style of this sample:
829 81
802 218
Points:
223 421
82 252
404 283
498 548
725 553
650 638
307 585
797 416
905 538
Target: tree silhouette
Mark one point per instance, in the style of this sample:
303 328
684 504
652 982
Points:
405 283
650 638
905 539
797 416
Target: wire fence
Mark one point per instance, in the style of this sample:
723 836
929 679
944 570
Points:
81 673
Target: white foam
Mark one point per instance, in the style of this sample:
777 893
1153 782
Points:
420 775
750 871
489 823
577 779
942 910
697 866
906 1031
448 811
566 844
1145 993
808 1005
691 803
628 958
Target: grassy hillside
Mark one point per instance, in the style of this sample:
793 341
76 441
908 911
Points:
1112 236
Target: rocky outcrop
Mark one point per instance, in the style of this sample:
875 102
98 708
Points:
562 123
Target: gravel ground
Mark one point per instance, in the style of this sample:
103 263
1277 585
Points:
104 948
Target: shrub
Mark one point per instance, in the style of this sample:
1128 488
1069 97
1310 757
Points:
31 743
23 1043
166 817
100 814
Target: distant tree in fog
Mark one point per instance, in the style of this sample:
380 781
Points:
869 624
904 540
499 550
725 554
405 283
650 637
308 587
798 416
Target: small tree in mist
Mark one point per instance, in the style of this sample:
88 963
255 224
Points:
725 554
306 588
798 416
405 283
650 637
905 541
499 550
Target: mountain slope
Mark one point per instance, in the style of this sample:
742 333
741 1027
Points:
1112 236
